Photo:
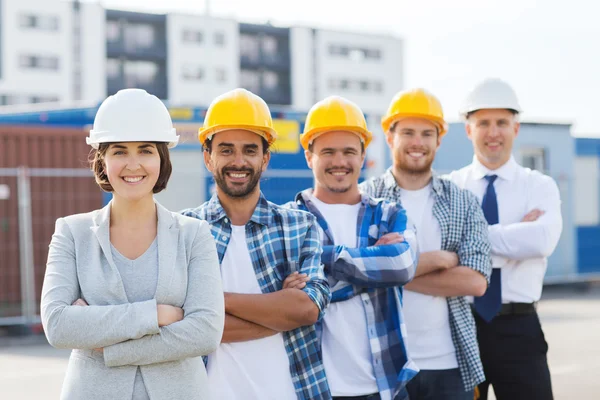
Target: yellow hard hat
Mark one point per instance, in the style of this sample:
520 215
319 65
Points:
238 109
415 103
334 113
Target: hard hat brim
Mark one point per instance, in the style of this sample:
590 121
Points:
96 138
307 137
265 132
387 123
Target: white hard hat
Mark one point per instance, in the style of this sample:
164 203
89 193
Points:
491 93
132 115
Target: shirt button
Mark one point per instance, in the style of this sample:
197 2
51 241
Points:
226 220
367 301
224 237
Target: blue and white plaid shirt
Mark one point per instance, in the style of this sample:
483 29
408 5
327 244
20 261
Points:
465 232
376 274
282 241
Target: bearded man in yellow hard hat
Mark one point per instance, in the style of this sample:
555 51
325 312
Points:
270 347
454 259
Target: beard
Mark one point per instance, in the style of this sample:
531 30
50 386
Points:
403 165
235 190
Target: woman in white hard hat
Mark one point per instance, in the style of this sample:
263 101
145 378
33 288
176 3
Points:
133 289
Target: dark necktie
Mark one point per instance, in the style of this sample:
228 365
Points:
488 305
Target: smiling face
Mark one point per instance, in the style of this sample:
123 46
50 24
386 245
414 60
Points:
492 132
237 159
413 142
132 169
336 159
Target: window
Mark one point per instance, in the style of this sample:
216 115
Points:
4 99
270 80
374 54
354 53
250 80
269 46
38 62
139 36
352 85
220 39
140 73
113 68
338 50
221 75
250 47
191 36
42 22
43 99
192 73
534 158
364 86
113 31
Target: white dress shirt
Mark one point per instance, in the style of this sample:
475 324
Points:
519 248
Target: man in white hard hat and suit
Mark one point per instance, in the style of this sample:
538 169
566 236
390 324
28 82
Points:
522 207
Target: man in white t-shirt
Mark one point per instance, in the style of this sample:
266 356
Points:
369 253
270 348
523 211
454 258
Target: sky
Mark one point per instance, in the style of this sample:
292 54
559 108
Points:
549 51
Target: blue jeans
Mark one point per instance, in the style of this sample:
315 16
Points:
443 384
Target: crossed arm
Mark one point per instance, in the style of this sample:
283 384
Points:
254 316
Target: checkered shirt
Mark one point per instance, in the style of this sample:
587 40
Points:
464 231
376 274
282 241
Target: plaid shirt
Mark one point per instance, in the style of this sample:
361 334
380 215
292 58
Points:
280 242
464 231
376 274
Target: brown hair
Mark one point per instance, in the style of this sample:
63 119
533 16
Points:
96 160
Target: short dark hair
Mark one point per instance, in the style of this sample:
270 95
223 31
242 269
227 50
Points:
96 160
208 145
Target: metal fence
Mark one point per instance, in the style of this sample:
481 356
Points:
31 199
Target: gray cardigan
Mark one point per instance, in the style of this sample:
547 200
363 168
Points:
80 265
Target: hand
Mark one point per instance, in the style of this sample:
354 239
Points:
79 302
295 281
533 215
168 315
447 259
390 238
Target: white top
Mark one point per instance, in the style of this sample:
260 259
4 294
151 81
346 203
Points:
345 341
519 248
429 338
253 370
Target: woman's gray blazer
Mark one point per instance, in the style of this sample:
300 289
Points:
80 265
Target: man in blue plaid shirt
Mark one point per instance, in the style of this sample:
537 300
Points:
368 254
454 259
270 348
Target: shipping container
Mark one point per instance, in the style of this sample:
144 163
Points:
60 184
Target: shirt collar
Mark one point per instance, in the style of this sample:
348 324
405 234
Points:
261 215
506 171
304 198
390 182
